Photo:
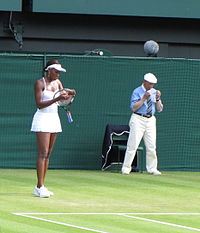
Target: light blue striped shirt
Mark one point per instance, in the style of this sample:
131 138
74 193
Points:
138 94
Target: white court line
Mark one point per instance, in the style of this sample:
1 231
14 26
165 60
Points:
164 223
119 214
60 223
106 213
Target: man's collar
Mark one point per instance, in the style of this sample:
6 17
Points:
143 87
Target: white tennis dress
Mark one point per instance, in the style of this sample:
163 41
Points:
47 119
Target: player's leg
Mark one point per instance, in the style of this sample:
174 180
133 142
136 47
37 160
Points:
43 140
52 141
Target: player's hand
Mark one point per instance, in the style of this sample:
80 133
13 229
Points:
63 96
72 92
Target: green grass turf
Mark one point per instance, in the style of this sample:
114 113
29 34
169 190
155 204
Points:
99 192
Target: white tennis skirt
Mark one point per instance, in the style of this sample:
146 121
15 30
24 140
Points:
46 122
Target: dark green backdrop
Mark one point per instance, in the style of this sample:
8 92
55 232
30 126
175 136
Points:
104 86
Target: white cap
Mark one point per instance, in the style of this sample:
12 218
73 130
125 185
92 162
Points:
56 67
151 78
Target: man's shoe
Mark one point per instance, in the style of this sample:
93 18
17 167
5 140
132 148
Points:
125 171
155 172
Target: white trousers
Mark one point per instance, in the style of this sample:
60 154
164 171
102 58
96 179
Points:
141 127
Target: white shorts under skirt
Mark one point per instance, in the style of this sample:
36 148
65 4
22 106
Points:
46 122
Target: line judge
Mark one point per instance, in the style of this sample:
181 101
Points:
145 101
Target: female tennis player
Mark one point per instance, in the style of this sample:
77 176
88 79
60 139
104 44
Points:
46 122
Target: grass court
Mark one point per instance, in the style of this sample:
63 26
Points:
96 201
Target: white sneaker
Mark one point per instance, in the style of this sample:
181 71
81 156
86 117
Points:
125 170
41 192
51 193
155 172
36 191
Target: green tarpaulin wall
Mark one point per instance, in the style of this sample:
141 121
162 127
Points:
104 86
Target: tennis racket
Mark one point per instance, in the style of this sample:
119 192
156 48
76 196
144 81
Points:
65 104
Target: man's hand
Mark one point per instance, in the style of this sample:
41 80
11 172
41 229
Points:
146 95
158 94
